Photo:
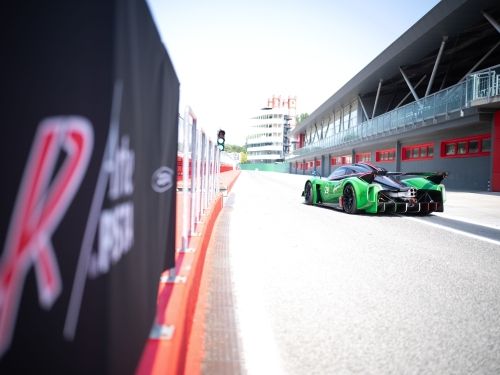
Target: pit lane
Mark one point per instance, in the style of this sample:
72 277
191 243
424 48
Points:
319 291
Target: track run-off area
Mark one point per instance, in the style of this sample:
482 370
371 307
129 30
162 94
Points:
318 291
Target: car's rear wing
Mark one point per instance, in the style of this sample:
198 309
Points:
434 177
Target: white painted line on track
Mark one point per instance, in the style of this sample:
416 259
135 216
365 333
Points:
260 350
453 230
466 220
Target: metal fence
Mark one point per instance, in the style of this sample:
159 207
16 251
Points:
484 84
480 86
200 174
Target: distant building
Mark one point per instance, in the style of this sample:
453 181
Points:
268 140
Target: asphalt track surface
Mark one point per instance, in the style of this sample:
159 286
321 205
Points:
317 291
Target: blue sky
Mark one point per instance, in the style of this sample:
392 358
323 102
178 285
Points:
231 55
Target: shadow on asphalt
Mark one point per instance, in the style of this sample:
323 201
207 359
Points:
471 228
365 214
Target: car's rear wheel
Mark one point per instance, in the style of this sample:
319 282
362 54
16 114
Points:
308 193
349 200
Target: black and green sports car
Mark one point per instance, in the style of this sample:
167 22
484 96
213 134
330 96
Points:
363 187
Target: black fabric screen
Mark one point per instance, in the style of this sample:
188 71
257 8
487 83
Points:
89 103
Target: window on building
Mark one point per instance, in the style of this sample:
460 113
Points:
462 148
347 159
331 125
478 145
474 146
347 116
363 156
354 113
450 149
418 152
340 160
388 155
338 120
486 145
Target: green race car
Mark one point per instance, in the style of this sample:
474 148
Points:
363 187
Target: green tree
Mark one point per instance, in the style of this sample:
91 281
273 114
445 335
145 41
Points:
301 117
234 148
243 157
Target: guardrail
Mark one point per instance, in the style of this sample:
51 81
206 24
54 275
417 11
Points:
200 174
474 90
484 84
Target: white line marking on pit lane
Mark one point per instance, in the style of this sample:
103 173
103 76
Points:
468 221
475 236
260 351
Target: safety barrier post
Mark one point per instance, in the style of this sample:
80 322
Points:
206 174
187 191
194 181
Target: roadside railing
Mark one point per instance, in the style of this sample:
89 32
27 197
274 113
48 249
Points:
200 174
484 84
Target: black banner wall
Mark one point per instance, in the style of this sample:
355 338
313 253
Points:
89 104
